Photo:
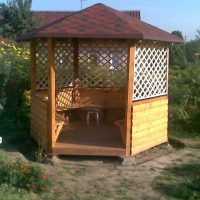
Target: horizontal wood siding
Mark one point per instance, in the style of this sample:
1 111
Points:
149 124
39 121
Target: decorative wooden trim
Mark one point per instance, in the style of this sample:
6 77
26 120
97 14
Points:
129 96
153 84
149 100
33 66
167 70
105 41
51 96
76 70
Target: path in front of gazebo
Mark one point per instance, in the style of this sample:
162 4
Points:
94 178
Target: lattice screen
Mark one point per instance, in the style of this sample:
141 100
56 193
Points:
150 70
64 64
41 66
103 66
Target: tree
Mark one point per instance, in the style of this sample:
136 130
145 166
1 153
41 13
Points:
177 52
198 34
192 49
16 18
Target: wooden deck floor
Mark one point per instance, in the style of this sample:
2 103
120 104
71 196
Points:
78 139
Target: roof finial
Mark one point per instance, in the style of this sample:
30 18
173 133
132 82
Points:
82 4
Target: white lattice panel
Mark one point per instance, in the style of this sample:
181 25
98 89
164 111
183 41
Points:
41 66
103 66
150 70
64 53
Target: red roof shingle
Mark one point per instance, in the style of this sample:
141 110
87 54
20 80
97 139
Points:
47 17
100 21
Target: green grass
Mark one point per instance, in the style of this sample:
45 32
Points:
8 192
180 182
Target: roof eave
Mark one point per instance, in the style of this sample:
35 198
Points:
27 38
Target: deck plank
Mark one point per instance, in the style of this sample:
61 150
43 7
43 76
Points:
78 139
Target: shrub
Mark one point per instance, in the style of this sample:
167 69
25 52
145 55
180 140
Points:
16 79
23 176
184 96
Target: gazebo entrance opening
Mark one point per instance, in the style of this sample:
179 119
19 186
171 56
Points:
90 93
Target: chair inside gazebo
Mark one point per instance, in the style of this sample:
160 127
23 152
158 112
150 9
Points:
90 95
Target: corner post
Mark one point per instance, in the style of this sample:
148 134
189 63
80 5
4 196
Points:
51 96
129 99
33 66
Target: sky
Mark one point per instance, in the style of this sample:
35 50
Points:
170 15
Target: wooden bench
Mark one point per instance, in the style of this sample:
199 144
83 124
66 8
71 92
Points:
121 125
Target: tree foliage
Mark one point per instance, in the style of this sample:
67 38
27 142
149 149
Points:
16 18
177 52
192 49
198 34
184 87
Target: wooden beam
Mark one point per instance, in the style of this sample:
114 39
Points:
51 96
151 100
33 66
76 149
129 99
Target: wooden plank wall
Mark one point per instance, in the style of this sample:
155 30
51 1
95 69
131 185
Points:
149 124
39 121
106 97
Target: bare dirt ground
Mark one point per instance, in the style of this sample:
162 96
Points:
93 178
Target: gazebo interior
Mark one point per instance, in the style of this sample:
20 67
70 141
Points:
90 93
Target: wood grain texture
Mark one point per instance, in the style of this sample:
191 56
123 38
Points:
39 121
129 96
78 139
51 96
150 124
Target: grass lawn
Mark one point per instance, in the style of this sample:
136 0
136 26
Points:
180 182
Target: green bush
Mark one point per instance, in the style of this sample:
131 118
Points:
14 68
14 92
23 176
184 96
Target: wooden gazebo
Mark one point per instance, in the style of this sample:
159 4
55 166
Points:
102 62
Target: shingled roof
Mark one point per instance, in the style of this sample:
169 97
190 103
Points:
48 17
100 21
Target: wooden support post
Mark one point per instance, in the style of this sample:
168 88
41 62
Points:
129 99
51 96
76 72
33 67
